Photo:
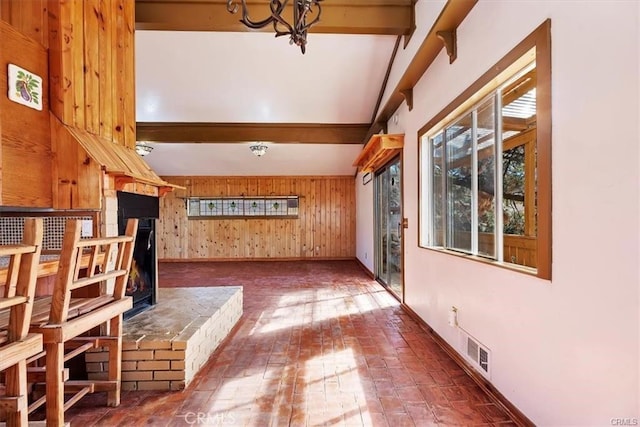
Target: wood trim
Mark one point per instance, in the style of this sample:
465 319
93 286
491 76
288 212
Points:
452 15
386 79
390 17
264 259
309 133
498 398
540 40
365 269
174 177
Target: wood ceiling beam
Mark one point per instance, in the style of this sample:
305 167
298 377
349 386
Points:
452 15
338 16
309 133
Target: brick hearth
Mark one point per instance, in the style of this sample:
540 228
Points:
165 346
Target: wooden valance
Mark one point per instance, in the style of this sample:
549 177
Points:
116 160
378 151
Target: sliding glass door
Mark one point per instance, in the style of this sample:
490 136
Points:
388 227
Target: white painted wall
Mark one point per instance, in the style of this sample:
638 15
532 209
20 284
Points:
565 352
426 14
364 222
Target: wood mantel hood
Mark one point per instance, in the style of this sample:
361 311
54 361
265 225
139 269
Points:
120 162
378 151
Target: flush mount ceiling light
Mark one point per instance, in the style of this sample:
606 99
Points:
303 10
142 148
259 149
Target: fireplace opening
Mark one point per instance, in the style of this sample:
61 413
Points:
143 277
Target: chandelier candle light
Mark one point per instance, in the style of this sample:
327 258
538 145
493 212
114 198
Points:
142 148
259 149
302 9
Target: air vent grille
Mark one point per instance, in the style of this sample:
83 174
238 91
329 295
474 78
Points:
476 353
472 349
484 359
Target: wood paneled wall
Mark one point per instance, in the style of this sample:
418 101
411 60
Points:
25 145
91 66
324 229
27 16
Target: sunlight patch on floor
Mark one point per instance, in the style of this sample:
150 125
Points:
304 308
333 390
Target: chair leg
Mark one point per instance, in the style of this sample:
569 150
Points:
55 384
115 360
16 385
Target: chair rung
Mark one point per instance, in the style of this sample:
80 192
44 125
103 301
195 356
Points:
77 396
97 278
103 241
98 341
78 350
11 301
95 385
37 374
38 403
36 357
6 250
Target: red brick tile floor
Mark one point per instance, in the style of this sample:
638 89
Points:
319 344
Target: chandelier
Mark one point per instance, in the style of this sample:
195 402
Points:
258 149
297 32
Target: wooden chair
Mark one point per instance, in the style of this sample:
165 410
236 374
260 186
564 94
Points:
16 302
64 317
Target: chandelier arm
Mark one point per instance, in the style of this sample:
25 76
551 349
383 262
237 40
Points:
276 15
231 6
297 31
306 26
276 6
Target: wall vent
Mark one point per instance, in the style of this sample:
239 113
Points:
476 353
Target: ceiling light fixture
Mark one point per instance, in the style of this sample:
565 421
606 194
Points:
259 149
302 10
142 148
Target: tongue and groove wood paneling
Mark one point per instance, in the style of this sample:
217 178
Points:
324 229
92 68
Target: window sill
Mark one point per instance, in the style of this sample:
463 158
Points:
513 267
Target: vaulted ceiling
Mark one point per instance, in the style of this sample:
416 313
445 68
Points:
206 87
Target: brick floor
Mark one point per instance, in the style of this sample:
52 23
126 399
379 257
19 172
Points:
320 344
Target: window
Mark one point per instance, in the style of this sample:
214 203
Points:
242 207
485 187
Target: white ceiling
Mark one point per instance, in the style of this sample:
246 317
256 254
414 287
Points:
254 77
176 159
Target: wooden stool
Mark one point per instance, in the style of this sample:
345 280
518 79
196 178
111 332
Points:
63 317
16 302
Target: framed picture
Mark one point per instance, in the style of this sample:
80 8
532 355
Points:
25 87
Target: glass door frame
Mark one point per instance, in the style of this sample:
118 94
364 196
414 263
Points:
379 254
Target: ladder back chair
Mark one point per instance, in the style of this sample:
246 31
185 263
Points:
16 304
68 323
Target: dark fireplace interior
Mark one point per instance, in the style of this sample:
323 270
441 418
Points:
143 275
